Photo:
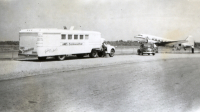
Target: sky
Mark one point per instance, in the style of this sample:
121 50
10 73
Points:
115 19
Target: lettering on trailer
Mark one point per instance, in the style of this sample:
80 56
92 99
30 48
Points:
71 44
23 50
75 43
50 50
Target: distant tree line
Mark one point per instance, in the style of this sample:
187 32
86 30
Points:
132 43
114 43
9 42
197 45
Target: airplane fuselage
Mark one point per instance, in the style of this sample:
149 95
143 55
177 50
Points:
151 39
144 38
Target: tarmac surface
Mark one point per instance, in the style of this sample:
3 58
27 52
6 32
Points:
11 69
124 83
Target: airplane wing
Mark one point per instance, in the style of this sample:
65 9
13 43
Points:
170 43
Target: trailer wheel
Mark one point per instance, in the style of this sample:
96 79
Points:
112 52
100 54
61 57
93 54
42 58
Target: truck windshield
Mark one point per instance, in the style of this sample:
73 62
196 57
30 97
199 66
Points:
148 45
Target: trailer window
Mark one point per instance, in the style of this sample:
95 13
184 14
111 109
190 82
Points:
86 37
81 37
75 37
63 36
69 37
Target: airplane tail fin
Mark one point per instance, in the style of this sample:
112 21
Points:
190 40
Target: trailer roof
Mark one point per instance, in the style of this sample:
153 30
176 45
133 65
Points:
55 30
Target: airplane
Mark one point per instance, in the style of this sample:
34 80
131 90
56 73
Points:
159 41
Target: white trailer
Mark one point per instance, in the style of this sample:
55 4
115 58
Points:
59 43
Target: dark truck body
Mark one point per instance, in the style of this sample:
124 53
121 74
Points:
146 49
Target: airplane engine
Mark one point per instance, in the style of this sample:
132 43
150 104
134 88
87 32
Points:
183 46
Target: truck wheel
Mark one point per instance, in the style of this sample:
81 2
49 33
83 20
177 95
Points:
148 53
138 51
61 57
153 53
80 55
42 58
112 52
93 54
100 54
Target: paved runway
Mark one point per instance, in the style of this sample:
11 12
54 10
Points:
167 83
29 67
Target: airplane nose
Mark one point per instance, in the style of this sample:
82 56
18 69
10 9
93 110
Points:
137 36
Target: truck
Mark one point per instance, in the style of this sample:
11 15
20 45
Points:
60 43
146 49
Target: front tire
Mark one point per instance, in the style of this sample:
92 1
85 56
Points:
100 54
93 54
61 57
112 53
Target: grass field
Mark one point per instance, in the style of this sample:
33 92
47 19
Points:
9 47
